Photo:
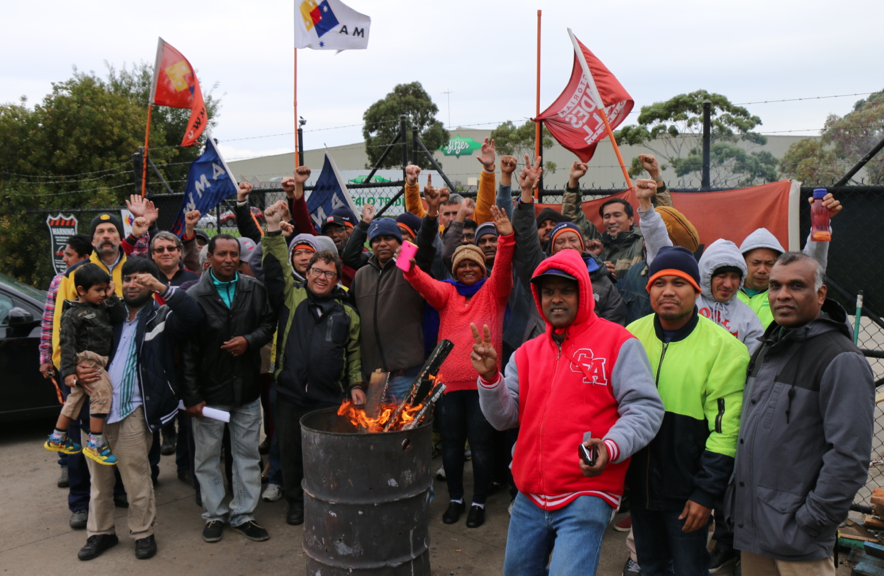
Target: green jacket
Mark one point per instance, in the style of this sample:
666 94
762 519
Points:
700 375
759 304
318 358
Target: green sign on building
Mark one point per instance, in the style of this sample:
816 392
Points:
458 146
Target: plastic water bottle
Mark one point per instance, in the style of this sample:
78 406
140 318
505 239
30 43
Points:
819 218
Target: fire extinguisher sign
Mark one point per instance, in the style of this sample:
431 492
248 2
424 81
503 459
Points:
60 229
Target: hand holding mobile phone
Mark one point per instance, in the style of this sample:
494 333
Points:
588 455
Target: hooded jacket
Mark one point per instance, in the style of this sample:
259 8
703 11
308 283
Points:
805 439
318 358
700 375
762 238
529 255
596 382
733 315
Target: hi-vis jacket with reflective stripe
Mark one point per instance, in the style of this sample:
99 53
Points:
700 375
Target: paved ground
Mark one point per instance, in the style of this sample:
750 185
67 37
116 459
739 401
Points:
35 537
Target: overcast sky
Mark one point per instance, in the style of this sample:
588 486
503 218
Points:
482 52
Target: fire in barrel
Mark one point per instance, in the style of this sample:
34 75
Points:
367 480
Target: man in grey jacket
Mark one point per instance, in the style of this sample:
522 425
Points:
806 430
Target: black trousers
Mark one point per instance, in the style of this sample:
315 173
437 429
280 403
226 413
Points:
287 427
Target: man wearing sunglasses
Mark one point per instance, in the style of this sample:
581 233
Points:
166 252
318 360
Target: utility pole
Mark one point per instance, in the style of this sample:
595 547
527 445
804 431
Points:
448 96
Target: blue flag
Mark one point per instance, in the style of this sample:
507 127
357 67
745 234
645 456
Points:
208 183
329 193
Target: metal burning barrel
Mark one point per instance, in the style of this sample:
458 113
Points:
366 498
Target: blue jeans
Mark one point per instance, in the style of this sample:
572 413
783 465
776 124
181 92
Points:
400 383
245 432
663 549
575 531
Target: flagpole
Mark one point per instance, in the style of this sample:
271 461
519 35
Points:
144 158
538 127
599 105
296 108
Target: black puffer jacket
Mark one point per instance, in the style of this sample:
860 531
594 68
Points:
212 375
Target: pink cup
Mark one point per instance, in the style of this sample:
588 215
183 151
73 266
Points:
405 255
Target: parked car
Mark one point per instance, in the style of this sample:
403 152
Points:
207 221
228 218
26 394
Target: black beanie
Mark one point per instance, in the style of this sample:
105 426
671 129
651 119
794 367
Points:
675 261
104 219
550 214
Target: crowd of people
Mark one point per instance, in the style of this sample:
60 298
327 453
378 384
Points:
693 382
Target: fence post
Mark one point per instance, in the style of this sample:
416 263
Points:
707 144
138 168
403 136
414 156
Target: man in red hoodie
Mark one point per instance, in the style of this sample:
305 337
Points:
585 381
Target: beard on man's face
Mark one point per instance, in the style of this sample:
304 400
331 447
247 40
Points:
136 301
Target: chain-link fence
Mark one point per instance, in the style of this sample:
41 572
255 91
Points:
855 263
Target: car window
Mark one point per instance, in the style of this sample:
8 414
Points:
6 304
39 295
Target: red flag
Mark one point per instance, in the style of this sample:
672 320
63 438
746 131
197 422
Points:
175 85
573 118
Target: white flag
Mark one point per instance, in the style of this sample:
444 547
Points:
330 25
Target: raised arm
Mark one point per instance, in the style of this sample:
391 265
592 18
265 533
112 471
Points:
277 277
412 191
528 253
191 251
354 256
819 251
454 236
501 280
651 224
245 222
294 191
436 293
504 199
485 197
498 396
572 202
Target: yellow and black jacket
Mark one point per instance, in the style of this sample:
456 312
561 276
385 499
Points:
700 376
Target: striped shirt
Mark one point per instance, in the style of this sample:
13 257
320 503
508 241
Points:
48 318
123 374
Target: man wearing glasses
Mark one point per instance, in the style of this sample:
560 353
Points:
165 250
318 360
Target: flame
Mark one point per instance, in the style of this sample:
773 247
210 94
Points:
362 422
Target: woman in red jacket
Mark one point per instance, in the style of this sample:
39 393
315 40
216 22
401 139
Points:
473 296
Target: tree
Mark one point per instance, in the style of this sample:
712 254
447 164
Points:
673 130
382 123
74 150
811 162
518 141
844 141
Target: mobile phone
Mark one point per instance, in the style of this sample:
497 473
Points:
588 455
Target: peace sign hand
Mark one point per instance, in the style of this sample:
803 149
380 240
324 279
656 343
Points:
484 356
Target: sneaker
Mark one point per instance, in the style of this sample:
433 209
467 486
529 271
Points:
631 568
79 519
272 493
440 473
252 531
723 557
96 545
63 481
214 531
101 454
624 525
67 446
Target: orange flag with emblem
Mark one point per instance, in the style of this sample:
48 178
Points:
175 85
